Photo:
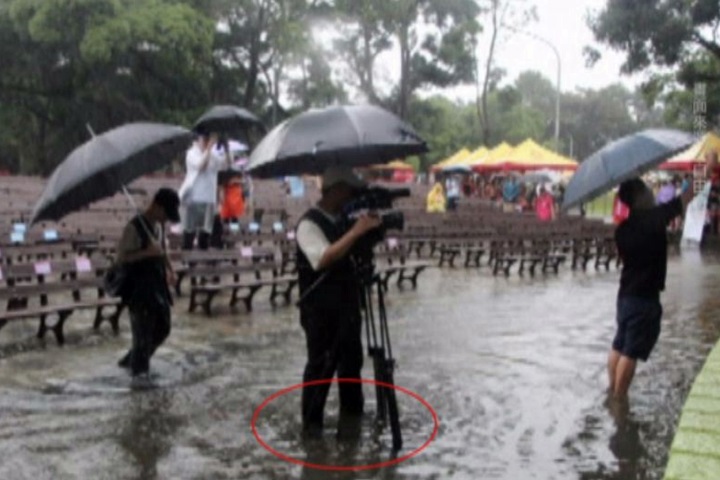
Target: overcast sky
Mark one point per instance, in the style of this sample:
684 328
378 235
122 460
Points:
561 22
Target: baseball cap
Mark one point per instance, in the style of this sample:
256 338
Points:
168 199
337 175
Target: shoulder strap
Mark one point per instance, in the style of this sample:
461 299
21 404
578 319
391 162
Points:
143 230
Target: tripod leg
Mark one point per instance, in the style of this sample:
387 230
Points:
394 415
379 391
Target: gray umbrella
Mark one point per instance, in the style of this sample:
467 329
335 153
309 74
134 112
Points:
227 119
105 164
628 157
356 135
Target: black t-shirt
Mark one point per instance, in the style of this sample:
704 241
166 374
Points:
642 244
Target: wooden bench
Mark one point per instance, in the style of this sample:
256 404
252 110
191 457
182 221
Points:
19 305
392 262
242 288
223 260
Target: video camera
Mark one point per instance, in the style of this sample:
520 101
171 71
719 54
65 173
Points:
378 198
373 198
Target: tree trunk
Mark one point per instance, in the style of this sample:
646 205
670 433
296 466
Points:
254 61
404 71
483 114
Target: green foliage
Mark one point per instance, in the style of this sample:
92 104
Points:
67 64
681 35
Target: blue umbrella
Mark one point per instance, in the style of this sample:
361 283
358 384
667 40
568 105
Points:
628 157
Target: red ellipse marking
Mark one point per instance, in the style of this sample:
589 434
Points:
357 468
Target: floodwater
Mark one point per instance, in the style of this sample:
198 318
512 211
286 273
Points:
515 369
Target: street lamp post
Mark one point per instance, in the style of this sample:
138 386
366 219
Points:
559 76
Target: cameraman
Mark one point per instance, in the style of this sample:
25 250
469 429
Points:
330 307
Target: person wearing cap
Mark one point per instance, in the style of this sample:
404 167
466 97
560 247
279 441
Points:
642 245
330 308
149 275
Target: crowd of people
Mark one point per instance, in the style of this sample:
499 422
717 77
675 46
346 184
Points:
509 192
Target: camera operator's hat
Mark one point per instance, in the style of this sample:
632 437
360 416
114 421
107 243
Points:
337 175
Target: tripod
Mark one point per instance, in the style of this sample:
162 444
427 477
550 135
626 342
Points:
380 350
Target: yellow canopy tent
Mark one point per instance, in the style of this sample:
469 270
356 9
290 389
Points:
394 165
695 155
475 157
495 159
461 154
529 155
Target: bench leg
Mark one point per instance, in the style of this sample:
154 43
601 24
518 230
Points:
2 323
288 292
178 284
274 292
249 298
234 297
115 318
58 327
42 329
509 265
413 278
533 266
207 304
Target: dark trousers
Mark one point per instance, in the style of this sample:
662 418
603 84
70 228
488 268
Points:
189 240
334 345
216 237
150 326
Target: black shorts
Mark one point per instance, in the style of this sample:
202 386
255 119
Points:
638 326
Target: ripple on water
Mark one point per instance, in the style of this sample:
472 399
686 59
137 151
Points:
514 368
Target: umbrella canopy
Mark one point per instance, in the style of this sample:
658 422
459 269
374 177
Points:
456 169
536 177
628 157
227 119
102 166
355 136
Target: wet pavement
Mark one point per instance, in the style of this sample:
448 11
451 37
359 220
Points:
515 369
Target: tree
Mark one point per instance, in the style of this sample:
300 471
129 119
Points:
504 15
269 44
681 35
72 63
593 118
435 40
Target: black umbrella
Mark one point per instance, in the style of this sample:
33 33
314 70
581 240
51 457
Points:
227 119
353 136
105 164
628 157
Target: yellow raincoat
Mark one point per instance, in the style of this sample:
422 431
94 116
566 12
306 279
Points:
436 199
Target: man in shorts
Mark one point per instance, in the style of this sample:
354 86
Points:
642 245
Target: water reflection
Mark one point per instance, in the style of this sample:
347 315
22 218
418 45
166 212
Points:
514 367
147 430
